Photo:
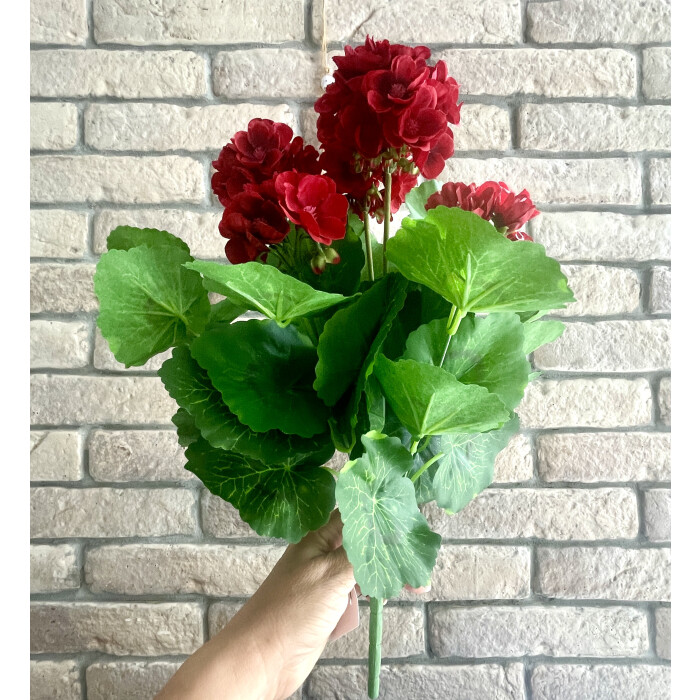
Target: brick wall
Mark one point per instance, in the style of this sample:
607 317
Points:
554 583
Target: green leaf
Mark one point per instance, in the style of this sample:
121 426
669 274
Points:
265 375
418 196
467 467
540 333
187 431
148 301
429 400
264 288
376 404
191 387
224 312
276 501
386 537
126 237
466 260
485 351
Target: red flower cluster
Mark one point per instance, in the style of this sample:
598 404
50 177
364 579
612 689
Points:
386 104
264 176
492 201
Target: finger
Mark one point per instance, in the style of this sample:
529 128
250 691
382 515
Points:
327 538
419 590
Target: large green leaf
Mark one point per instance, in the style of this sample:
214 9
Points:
276 501
467 467
148 301
191 387
428 400
126 237
386 537
485 351
538 333
264 288
225 311
466 260
187 431
265 375
418 196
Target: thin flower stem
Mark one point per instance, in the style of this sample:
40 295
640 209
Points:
432 460
368 245
387 215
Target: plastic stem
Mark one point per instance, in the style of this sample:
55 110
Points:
368 246
376 608
387 215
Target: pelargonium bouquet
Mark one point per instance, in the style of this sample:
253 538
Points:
409 354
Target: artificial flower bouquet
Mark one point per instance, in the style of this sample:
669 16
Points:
409 354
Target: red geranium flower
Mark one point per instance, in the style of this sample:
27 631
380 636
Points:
311 201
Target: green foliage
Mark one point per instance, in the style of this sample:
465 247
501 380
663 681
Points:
540 333
127 237
418 196
225 311
467 261
386 537
148 301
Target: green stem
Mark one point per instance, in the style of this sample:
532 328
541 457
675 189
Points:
453 322
432 460
414 446
368 246
387 215
376 607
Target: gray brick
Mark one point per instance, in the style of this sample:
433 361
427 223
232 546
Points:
665 401
53 126
534 630
663 633
57 233
58 344
586 403
601 291
657 514
660 180
53 568
59 680
61 288
124 74
104 359
603 236
604 573
120 629
656 68
55 455
593 21
549 514
107 512
591 457
602 682
136 455
481 128
65 24
660 296
201 22
127 680
221 519
547 72
116 179
514 462
72 400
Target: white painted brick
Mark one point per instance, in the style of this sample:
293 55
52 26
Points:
106 512
601 291
104 359
53 568
57 233
657 514
514 462
125 74
308 126
534 631
200 230
58 344
72 400
605 573
214 570
127 680
481 128
59 288
59 680
53 126
546 72
594 127
665 401
162 127
603 235
55 456
136 455
592 457
656 68
198 22
593 21
602 682
142 629
556 181
64 22
660 296
609 346
663 633
119 179
586 403
221 519
267 73
480 572
549 514
660 180
414 22
418 682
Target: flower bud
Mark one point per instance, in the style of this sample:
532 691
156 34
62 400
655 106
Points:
318 263
332 256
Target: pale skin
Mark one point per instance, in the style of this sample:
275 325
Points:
267 650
